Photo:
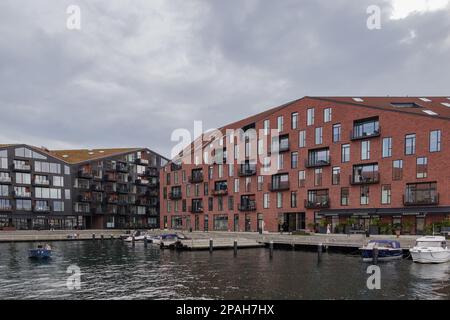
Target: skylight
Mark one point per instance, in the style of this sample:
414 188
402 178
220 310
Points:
446 104
405 105
358 99
431 113
425 99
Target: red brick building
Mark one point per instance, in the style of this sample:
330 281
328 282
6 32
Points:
378 163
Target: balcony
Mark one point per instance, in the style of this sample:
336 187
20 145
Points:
97 198
21 194
196 178
317 163
152 193
195 209
41 209
366 178
175 167
84 198
175 195
319 203
151 172
279 186
96 187
360 135
123 189
5 179
6 208
247 206
110 177
142 162
284 146
419 200
21 167
122 202
141 181
112 200
142 202
85 174
219 192
40 182
122 167
246 170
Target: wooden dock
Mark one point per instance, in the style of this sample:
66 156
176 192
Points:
217 244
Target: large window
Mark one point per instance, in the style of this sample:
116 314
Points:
365 128
23 205
410 144
23 178
435 141
4 190
422 168
47 167
367 173
221 223
337 132
421 194
387 147
48 193
345 153
58 181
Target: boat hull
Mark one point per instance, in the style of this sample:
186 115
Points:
383 254
422 256
39 254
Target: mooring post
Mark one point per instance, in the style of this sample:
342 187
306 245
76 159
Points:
101 237
375 255
235 247
271 249
132 241
93 236
145 242
319 252
112 237
211 245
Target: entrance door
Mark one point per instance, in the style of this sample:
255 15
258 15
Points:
420 225
248 223
260 223
236 223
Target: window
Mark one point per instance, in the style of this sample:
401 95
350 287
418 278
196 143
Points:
219 203
410 144
197 190
365 128
221 223
337 132
248 184
327 115
205 188
345 153
397 170
421 194
422 167
302 139
23 205
231 203
293 199
220 169
47 167
210 204
48 193
260 183
67 194
294 120
183 176
3 159
210 172
231 170
318 177
318 137
58 206
336 178
279 200
266 200
365 150
280 162
435 141
301 178
168 178
58 181
294 160
367 173
175 178
260 147
364 195
345 196
188 190
4 190
386 194
310 117
236 185
266 127
23 178
387 147
280 121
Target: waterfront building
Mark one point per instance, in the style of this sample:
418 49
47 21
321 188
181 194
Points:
355 163
66 189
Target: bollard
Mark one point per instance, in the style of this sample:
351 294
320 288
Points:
145 242
271 249
211 245
101 237
235 247
132 241
93 236
319 252
375 255
112 237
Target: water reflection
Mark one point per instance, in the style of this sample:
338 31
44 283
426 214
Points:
114 270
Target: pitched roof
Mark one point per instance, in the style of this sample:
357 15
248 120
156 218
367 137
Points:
81 155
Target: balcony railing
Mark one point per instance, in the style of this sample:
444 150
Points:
152 172
175 195
247 170
279 186
421 201
196 178
220 192
370 178
316 163
143 162
354 135
39 182
21 194
5 179
97 188
21 167
141 181
85 174
110 177
317 204
41 209
196 209
84 198
5 208
122 167
247 206
142 202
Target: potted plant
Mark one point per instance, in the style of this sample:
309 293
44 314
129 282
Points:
349 224
407 227
398 229
374 227
323 226
312 227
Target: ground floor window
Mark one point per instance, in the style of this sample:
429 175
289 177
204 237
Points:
221 223
110 222
177 222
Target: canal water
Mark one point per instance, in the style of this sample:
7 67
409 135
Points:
116 270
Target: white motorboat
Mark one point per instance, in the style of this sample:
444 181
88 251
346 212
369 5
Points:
430 249
138 236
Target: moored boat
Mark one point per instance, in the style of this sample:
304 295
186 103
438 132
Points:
430 249
41 252
387 250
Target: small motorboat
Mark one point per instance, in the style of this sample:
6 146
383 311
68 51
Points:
387 250
41 252
430 249
138 236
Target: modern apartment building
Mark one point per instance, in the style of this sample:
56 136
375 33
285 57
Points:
66 189
343 161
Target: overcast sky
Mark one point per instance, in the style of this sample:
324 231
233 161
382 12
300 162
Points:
135 72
